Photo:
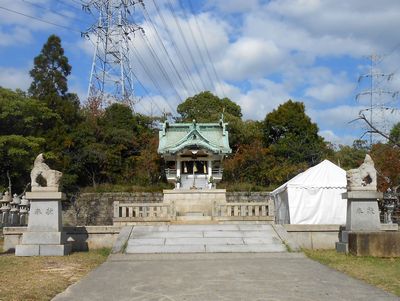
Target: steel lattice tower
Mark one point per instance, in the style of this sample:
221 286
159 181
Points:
111 76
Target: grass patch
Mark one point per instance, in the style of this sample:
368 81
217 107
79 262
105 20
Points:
381 272
41 278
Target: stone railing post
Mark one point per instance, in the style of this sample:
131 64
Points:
116 209
271 207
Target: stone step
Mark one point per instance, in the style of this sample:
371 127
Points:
154 249
204 238
193 218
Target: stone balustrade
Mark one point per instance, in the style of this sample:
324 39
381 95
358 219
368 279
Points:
130 213
260 211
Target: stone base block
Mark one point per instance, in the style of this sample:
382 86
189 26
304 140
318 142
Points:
43 238
42 250
342 247
378 244
27 250
55 250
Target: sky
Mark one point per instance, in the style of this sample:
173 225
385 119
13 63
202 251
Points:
258 53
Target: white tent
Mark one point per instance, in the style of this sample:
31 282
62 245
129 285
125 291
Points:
313 197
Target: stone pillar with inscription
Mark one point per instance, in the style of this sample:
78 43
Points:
44 236
362 202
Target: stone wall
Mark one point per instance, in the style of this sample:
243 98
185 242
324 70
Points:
322 236
239 196
82 238
95 209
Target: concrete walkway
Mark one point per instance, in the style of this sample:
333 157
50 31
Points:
218 276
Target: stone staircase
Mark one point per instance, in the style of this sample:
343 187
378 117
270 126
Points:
205 238
201 182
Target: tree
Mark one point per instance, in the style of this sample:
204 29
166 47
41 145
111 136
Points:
387 163
50 83
348 157
24 123
206 107
50 72
291 134
395 134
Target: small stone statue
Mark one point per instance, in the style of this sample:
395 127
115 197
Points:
362 178
43 178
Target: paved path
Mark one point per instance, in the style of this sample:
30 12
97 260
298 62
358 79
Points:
218 276
229 238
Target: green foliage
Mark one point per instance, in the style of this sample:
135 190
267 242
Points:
206 107
23 125
17 153
50 72
387 163
348 157
291 135
395 133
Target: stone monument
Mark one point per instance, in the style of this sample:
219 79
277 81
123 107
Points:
363 235
44 236
362 204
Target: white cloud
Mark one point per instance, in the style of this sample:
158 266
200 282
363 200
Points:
234 6
250 58
333 138
13 78
330 92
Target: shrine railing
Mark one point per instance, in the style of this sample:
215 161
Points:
125 213
170 173
260 211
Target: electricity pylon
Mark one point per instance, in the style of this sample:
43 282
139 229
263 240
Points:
111 76
377 95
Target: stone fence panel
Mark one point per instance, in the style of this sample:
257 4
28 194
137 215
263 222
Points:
96 209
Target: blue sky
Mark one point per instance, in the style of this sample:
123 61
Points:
264 52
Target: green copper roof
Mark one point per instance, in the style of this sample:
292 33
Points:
211 136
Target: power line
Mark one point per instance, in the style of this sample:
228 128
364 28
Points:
165 49
206 47
196 44
186 43
148 93
176 48
69 5
158 62
40 20
51 10
149 74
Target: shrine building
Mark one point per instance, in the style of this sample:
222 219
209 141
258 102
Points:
194 153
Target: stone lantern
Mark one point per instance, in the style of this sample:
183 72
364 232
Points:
23 211
5 208
14 211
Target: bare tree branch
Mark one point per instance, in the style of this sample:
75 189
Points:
375 130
